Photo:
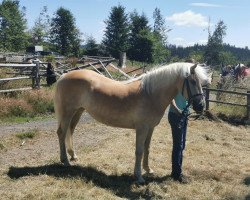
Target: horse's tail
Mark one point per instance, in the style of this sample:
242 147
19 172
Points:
58 100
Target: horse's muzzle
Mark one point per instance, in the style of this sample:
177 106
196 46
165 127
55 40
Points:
198 104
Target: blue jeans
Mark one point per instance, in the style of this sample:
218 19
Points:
179 140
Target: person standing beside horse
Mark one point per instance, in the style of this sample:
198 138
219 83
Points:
178 120
177 117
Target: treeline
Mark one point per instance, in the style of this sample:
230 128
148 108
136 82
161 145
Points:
125 32
234 54
58 33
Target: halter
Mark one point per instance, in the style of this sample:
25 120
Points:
190 96
185 112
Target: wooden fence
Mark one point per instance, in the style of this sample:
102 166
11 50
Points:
247 94
25 71
37 70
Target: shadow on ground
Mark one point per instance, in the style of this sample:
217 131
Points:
119 184
247 181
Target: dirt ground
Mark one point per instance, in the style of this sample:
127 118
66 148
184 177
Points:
216 160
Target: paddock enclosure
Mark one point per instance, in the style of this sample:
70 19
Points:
216 159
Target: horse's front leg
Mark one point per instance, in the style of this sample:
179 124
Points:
141 135
146 152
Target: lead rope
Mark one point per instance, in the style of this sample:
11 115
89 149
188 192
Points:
185 113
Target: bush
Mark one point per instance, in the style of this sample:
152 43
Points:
27 104
14 107
41 101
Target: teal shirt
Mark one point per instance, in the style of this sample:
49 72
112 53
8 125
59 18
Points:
180 101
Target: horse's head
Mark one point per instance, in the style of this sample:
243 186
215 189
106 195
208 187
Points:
192 87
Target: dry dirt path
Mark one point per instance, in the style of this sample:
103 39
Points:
44 146
42 125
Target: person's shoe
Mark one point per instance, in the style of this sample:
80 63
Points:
181 178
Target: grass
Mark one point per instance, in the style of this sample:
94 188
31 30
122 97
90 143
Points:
14 119
27 135
26 105
218 167
2 146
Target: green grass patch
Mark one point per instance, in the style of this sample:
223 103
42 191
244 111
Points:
232 114
231 111
27 135
2 146
14 119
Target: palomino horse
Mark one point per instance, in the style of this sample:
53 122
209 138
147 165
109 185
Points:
137 104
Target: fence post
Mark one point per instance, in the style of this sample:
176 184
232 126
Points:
248 108
207 98
122 60
35 76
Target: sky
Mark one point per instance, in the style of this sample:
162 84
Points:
188 19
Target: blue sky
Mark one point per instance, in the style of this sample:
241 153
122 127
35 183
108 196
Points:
188 19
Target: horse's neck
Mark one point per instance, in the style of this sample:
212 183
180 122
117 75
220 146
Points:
162 97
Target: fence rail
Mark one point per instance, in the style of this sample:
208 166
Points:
246 94
29 71
36 70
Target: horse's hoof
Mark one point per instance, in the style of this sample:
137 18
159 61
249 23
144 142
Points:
65 162
150 171
74 159
140 181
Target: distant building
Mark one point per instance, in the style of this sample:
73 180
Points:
34 49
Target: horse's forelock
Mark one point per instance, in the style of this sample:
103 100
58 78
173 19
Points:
202 74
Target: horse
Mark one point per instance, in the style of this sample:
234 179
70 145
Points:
137 104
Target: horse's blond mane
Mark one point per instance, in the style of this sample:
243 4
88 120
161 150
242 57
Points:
167 74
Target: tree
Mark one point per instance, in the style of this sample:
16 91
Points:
40 30
215 44
91 47
12 26
197 56
145 45
160 29
139 29
64 34
116 33
227 58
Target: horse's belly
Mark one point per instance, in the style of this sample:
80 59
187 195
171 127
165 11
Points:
115 120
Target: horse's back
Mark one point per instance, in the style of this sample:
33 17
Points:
93 80
110 102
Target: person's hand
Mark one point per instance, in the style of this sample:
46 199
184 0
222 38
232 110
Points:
179 111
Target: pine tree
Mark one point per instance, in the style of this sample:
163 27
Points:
116 33
64 34
215 44
40 30
160 28
12 26
138 37
91 47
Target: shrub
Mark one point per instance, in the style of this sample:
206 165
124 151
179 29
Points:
41 101
27 104
14 107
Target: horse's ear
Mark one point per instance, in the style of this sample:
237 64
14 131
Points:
193 67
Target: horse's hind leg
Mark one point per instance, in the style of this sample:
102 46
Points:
146 152
141 135
69 140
